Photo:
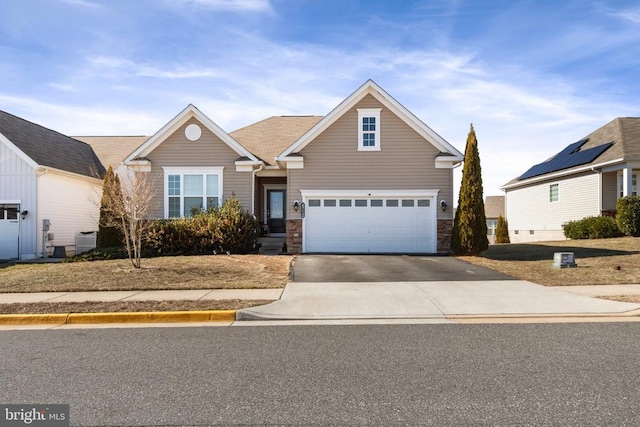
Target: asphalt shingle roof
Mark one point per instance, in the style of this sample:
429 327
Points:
49 148
269 137
112 150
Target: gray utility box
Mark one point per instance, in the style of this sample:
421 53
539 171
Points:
85 241
564 260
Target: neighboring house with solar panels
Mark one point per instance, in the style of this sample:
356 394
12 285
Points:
48 186
584 179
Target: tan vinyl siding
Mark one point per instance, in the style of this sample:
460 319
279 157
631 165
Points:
208 151
405 161
529 208
609 191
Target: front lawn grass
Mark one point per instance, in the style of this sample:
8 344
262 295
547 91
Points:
183 272
600 261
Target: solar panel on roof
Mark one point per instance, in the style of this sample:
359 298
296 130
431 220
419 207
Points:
571 156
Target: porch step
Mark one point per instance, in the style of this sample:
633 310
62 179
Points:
271 245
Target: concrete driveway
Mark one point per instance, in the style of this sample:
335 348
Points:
329 287
388 268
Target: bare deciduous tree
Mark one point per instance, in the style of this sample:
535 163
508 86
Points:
128 209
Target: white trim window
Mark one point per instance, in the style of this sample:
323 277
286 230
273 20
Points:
190 189
634 185
369 129
554 192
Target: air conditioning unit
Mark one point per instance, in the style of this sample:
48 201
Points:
85 241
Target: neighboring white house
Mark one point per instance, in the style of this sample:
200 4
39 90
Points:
45 178
584 179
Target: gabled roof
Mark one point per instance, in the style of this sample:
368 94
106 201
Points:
616 142
40 146
269 137
371 88
185 115
494 207
112 150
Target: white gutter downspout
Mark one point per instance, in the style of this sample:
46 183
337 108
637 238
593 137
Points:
599 189
253 187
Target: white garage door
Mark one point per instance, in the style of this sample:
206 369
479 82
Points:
361 223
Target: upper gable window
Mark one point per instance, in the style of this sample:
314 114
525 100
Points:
369 129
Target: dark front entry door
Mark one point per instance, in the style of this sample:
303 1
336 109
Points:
276 210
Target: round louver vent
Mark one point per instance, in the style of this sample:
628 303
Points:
193 132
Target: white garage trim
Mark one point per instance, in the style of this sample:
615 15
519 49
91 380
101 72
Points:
407 224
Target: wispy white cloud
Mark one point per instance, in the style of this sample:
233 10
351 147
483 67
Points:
629 15
232 5
82 3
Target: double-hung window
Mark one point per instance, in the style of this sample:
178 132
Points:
189 190
634 185
554 193
368 129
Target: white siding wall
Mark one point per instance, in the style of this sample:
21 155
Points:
18 182
71 204
529 209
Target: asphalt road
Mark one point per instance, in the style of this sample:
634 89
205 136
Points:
388 268
562 374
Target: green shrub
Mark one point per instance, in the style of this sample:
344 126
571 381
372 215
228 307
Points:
99 254
502 231
228 229
593 227
628 215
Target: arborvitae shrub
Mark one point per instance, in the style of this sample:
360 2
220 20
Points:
109 236
502 231
469 234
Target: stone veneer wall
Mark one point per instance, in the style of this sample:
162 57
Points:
445 230
294 236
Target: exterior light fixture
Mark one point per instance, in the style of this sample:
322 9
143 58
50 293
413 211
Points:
443 205
296 205
24 213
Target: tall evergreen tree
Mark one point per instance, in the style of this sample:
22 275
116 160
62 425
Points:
502 231
108 235
469 236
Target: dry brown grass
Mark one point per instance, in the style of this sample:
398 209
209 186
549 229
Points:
193 272
127 306
597 261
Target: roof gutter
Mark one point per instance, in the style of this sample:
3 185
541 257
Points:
559 174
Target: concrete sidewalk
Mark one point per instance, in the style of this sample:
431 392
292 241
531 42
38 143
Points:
414 300
110 296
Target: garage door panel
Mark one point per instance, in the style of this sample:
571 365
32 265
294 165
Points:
392 224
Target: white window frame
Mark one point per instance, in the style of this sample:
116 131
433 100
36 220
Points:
217 170
557 198
634 184
366 113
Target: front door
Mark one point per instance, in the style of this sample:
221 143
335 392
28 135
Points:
9 230
276 210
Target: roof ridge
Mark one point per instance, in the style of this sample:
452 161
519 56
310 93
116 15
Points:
622 142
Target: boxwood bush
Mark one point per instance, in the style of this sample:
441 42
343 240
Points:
593 227
628 215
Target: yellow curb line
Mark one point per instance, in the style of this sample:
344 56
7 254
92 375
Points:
122 317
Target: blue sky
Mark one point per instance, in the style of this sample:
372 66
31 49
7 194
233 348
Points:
532 76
